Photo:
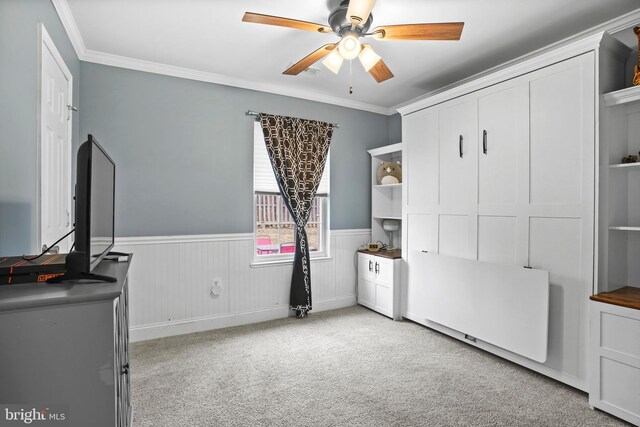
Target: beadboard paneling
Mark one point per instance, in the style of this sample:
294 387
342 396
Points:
171 279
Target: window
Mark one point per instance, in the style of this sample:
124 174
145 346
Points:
274 226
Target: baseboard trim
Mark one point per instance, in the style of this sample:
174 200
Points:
334 304
515 358
181 327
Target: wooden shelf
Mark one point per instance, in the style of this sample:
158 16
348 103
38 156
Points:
390 185
623 96
624 228
626 297
625 165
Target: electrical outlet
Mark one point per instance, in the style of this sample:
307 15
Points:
216 287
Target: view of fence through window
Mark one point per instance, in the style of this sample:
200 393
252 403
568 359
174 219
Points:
275 229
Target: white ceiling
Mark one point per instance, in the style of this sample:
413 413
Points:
208 36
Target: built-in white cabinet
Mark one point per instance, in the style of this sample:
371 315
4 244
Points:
379 283
506 174
619 191
379 272
615 329
615 360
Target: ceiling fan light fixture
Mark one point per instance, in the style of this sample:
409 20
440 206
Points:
368 58
349 47
359 10
333 61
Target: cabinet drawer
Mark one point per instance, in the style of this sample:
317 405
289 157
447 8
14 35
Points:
620 333
620 385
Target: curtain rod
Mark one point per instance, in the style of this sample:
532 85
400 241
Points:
257 115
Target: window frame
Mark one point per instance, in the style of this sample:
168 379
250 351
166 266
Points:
323 231
323 235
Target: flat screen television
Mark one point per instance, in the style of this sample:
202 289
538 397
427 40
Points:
95 203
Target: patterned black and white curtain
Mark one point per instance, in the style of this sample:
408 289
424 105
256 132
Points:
298 151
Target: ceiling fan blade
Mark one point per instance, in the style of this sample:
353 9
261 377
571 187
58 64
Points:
258 18
440 31
309 60
359 10
381 72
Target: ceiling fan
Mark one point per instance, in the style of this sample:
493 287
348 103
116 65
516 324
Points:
350 21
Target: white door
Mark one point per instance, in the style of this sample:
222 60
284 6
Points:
55 146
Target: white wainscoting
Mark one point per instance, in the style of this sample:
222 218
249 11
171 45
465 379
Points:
171 279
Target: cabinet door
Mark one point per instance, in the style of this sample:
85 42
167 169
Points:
366 292
562 195
420 141
457 145
384 286
121 366
384 299
365 266
384 270
503 132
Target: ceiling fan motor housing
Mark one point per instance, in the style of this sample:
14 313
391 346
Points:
341 25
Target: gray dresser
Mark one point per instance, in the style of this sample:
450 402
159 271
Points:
66 347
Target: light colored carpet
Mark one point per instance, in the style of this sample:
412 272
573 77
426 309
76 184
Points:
348 367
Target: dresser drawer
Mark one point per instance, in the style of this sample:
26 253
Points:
620 333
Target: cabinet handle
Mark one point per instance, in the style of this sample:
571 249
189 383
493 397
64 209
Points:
370 265
460 145
377 268
484 141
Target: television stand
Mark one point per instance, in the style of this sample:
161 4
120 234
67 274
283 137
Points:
116 254
76 275
70 344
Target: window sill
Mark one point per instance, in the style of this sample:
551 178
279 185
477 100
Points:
258 264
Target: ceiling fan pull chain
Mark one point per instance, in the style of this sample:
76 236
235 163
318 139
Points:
350 85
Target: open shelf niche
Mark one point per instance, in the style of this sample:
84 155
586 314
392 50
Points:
386 200
619 198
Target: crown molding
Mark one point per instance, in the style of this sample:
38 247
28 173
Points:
204 76
88 55
499 74
579 43
70 26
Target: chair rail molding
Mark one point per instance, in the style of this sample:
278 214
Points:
185 284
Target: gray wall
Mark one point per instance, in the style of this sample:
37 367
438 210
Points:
183 150
395 128
18 100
